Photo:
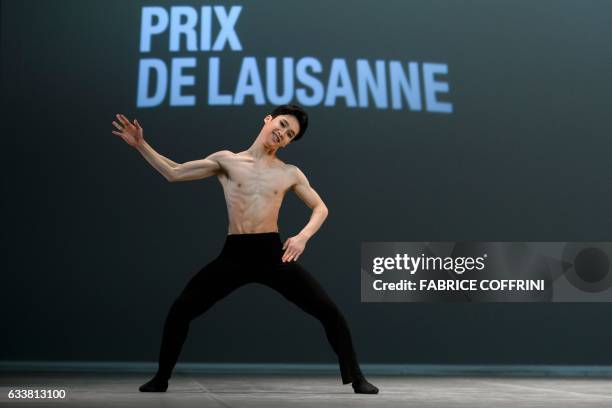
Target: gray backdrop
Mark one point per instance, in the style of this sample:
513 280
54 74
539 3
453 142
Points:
97 244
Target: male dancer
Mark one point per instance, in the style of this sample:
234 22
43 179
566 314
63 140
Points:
254 183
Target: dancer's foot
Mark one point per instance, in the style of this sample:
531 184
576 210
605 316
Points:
154 385
362 386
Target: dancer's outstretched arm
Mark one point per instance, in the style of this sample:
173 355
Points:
133 134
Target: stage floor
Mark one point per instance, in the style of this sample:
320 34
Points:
271 391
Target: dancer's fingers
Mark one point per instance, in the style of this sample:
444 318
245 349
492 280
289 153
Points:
286 255
126 121
291 255
137 124
117 125
120 118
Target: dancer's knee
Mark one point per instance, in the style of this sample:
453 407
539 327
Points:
330 314
181 309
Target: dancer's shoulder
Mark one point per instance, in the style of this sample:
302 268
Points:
294 171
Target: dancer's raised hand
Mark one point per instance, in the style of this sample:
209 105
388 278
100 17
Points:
131 133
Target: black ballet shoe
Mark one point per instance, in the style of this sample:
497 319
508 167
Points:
362 386
155 385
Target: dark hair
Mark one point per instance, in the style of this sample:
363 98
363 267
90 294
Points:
299 113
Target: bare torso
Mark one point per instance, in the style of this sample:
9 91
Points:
254 191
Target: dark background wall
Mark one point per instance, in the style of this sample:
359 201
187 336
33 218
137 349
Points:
96 244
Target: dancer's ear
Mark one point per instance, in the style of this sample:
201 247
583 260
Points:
267 119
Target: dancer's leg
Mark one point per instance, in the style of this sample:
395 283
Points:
297 285
212 283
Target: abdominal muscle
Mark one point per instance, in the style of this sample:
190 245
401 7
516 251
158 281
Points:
252 212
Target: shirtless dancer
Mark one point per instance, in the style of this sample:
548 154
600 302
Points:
254 182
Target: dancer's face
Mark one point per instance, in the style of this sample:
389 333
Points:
281 130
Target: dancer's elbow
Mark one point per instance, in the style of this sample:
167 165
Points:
323 209
170 176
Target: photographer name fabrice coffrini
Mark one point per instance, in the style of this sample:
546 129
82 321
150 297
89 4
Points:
442 285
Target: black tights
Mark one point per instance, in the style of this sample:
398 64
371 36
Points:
247 258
